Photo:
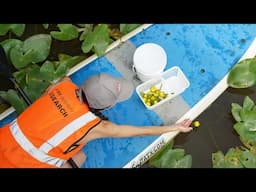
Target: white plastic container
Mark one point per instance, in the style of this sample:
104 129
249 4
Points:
173 82
149 61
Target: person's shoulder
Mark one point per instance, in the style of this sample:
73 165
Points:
66 78
58 82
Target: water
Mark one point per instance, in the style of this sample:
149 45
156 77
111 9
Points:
216 131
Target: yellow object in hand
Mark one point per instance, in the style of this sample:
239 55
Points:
196 123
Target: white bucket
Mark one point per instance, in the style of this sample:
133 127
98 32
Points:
149 61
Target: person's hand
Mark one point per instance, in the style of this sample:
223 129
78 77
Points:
184 126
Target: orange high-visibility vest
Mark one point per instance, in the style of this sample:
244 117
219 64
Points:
47 132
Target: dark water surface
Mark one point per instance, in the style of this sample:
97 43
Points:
216 131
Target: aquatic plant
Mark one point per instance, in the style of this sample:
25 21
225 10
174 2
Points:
243 74
30 57
171 158
245 127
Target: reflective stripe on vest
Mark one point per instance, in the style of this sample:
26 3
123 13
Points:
30 148
67 131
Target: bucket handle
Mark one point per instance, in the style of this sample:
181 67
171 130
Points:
133 68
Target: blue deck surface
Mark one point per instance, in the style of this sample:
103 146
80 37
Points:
116 152
204 52
214 48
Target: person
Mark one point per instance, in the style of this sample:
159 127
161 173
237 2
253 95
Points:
52 131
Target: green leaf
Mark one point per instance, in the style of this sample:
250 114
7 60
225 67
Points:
47 71
35 84
17 29
4 28
232 159
252 67
248 159
21 75
10 43
185 162
250 125
239 127
155 160
67 32
12 97
87 44
235 110
241 76
35 89
248 103
18 59
46 26
126 28
41 45
61 71
62 56
249 140
170 158
176 159
87 29
98 40
218 160
100 47
247 115
71 62
65 64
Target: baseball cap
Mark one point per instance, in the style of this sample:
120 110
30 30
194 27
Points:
104 91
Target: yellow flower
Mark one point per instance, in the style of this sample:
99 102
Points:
196 123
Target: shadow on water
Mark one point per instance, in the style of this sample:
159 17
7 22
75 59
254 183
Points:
216 131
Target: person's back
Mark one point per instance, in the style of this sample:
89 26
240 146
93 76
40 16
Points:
47 130
53 130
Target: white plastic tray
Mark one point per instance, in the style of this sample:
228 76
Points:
173 82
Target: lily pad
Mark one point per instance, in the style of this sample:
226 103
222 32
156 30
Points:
17 29
126 28
36 85
241 76
218 160
67 32
155 160
10 43
235 110
46 26
171 158
98 40
87 28
19 59
41 45
232 159
176 159
12 97
247 115
248 159
47 71
248 103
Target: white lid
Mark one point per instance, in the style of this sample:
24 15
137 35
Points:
150 58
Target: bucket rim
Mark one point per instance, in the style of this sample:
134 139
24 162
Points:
138 65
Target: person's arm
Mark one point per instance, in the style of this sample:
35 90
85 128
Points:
109 129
